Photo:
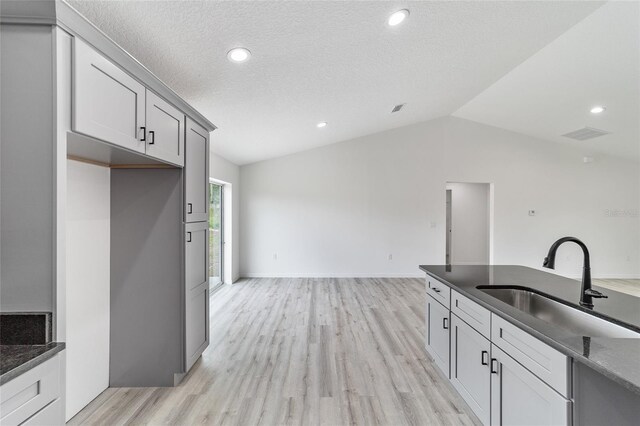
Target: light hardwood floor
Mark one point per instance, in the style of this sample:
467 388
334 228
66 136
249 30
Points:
302 351
629 286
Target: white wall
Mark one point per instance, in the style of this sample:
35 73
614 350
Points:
470 223
340 210
224 171
87 286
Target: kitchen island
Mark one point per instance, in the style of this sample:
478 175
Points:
587 378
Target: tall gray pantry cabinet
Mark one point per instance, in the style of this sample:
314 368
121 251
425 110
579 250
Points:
71 93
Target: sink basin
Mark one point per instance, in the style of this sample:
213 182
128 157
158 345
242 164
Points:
558 314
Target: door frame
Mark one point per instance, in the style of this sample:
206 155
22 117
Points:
222 186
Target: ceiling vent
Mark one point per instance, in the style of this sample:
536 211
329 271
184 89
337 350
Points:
397 108
586 133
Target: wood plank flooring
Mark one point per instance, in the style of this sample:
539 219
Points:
628 286
302 351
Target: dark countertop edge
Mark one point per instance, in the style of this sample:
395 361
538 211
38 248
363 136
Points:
26 366
541 336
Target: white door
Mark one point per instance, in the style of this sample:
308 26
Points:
518 397
196 291
470 372
108 104
438 333
196 173
165 130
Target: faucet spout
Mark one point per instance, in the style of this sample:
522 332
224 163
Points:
587 294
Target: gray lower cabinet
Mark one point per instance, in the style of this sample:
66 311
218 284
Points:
437 333
518 397
196 291
470 370
36 397
196 173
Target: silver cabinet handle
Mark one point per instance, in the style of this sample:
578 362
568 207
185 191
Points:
445 323
152 137
485 356
436 289
494 362
188 237
190 208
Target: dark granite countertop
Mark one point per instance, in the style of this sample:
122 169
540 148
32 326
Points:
616 358
17 359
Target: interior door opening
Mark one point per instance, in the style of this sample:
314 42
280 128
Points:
468 223
216 235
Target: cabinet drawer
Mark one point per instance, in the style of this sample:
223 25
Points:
439 291
546 363
470 312
30 392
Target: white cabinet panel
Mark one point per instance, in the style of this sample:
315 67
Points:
108 103
196 173
518 397
470 372
437 329
165 130
196 291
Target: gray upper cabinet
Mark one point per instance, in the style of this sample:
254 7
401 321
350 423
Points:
108 103
470 371
196 291
518 397
196 173
438 333
165 130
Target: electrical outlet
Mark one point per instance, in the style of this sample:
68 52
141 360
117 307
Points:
275 256
390 257
532 212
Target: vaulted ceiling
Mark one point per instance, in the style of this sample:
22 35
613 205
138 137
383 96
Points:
337 62
597 62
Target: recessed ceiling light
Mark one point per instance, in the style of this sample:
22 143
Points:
321 124
597 109
239 54
398 17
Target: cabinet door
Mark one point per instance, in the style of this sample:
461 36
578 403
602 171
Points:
165 130
108 104
437 329
470 372
196 291
196 173
518 397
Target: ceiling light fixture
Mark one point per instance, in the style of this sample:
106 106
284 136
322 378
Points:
239 54
398 17
321 124
597 109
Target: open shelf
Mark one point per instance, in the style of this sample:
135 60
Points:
85 148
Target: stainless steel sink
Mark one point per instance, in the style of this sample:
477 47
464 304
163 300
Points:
558 314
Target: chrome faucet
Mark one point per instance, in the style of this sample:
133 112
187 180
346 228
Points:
587 294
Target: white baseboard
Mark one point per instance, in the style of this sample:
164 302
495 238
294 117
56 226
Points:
332 275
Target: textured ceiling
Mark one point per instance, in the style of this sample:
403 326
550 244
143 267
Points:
327 61
597 62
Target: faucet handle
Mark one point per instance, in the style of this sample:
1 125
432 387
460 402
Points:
595 293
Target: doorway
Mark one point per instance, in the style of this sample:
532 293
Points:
468 223
216 235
